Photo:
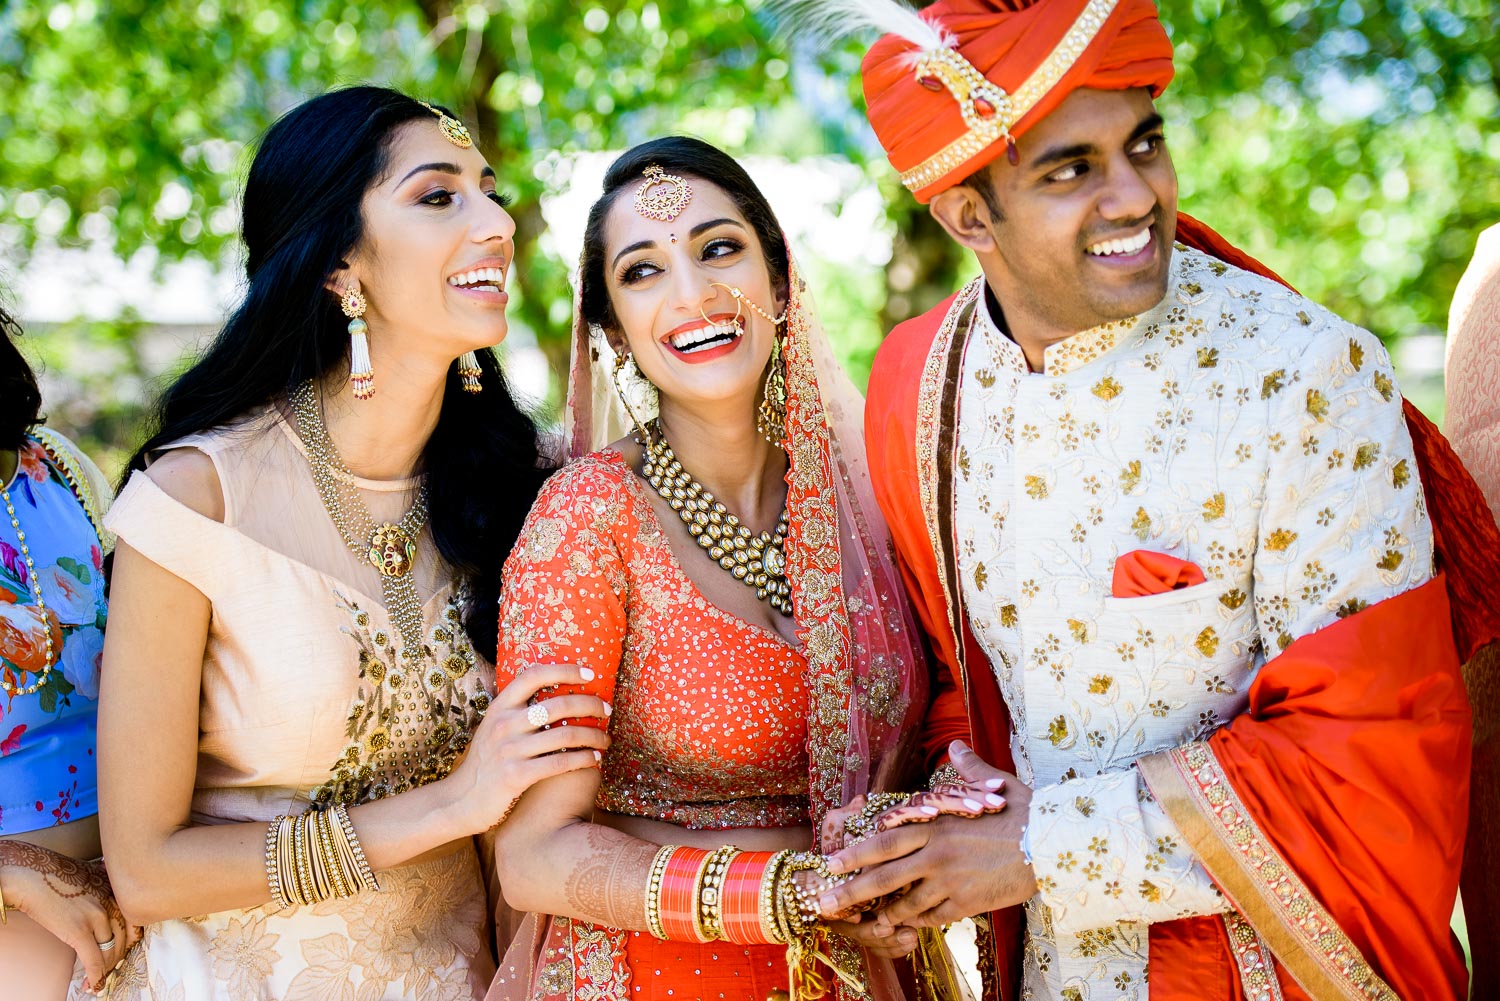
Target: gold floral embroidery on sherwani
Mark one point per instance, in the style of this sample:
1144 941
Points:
1235 426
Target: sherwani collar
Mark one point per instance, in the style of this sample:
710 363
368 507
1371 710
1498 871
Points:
1080 349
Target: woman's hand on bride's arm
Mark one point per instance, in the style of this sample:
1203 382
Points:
511 752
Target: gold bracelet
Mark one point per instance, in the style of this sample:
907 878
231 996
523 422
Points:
798 908
273 864
710 900
339 855
653 890
287 852
768 923
3 919
304 874
698 896
361 866
317 857
332 859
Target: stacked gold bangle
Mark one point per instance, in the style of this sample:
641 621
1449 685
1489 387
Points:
770 926
726 894
315 856
795 908
711 892
653 890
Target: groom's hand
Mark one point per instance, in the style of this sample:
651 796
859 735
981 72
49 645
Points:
956 867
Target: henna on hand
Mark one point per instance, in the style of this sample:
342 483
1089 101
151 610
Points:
67 877
945 801
608 887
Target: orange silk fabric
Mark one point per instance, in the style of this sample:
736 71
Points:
709 727
1005 41
1142 572
1353 758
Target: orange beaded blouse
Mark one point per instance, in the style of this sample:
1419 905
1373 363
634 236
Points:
709 727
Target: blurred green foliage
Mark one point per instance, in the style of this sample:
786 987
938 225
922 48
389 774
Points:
1351 145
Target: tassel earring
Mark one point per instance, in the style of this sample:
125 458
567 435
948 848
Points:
360 373
770 417
469 371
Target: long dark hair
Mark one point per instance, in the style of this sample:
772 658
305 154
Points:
301 218
20 399
681 156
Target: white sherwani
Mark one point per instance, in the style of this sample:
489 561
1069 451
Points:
1235 426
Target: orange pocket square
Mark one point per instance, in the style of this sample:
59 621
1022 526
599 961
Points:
1141 572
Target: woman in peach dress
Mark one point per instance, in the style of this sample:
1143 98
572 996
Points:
302 734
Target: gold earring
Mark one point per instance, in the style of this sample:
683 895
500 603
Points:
637 393
770 416
469 372
361 374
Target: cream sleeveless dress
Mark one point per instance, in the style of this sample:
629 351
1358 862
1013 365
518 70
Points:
306 695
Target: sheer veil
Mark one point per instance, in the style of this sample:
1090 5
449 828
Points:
868 678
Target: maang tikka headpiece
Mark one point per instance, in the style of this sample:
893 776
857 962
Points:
663 196
453 130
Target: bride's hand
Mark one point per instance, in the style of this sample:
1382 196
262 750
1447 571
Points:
511 752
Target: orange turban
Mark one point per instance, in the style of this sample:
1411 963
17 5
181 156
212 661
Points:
942 118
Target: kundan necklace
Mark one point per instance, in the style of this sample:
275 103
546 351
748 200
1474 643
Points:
389 548
36 597
757 561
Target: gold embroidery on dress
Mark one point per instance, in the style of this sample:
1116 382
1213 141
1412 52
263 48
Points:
412 717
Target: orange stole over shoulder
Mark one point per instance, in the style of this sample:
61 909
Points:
1410 860
965 705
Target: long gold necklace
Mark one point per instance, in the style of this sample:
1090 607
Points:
391 548
36 596
758 561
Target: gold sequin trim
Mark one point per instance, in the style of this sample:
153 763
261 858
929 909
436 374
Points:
929 397
1043 79
1253 959
1189 784
67 461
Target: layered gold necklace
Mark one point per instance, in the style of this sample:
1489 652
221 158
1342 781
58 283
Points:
757 561
391 548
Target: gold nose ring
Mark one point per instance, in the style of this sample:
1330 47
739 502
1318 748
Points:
739 301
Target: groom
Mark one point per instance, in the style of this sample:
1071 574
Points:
1165 526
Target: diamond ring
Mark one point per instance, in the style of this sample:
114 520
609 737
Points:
537 715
